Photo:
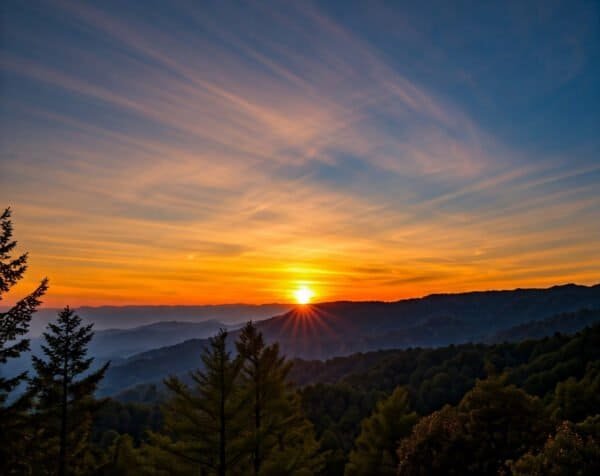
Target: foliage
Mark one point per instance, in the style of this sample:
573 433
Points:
492 423
576 399
203 425
435 377
375 447
501 421
64 405
432 378
241 416
280 439
569 452
436 446
134 419
14 324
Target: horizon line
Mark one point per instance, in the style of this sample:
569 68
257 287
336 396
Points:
292 304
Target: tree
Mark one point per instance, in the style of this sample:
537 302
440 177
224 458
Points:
502 422
280 439
493 423
569 452
122 458
375 448
14 324
576 399
205 423
437 446
63 387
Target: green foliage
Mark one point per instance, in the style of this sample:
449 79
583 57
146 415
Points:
280 439
493 426
331 446
204 424
375 447
556 359
576 399
435 377
64 405
570 452
437 446
121 458
492 423
501 421
14 324
336 412
241 417
432 378
135 419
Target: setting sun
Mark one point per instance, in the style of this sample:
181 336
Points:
303 295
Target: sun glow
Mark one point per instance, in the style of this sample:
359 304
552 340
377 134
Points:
303 295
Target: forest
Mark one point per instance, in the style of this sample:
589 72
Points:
521 408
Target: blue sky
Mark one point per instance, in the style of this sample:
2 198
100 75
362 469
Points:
218 151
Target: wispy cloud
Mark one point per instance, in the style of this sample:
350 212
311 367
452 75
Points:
195 156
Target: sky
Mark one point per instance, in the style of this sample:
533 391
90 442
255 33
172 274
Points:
217 152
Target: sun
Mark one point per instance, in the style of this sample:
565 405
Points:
303 295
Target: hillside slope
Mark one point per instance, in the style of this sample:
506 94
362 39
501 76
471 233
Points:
342 328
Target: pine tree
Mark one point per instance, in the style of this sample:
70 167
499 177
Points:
375 447
205 422
63 388
14 324
280 439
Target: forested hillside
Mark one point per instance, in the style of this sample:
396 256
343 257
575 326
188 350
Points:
364 406
568 322
311 332
341 328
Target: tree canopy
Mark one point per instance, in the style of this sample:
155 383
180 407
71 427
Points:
14 325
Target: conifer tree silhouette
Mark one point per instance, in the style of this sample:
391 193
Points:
280 439
206 420
63 389
14 325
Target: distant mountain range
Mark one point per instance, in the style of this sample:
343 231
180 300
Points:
118 344
128 317
325 330
566 323
341 328
120 331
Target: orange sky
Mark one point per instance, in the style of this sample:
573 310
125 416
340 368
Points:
105 262
224 155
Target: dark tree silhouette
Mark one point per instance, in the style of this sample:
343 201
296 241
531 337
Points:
14 324
375 448
64 387
206 421
280 439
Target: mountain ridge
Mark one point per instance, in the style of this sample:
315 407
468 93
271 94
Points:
326 330
131 316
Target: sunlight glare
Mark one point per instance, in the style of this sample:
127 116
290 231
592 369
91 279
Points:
303 295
